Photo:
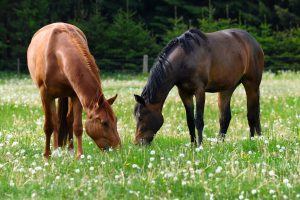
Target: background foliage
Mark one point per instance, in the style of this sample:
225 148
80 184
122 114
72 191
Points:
121 31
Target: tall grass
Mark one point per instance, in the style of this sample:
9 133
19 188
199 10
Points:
240 168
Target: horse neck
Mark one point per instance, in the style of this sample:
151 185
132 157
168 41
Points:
157 95
83 75
86 84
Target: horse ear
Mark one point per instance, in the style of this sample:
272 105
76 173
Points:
101 100
112 99
139 99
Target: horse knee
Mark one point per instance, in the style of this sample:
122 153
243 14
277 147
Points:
226 118
251 119
48 128
199 123
77 130
70 118
224 122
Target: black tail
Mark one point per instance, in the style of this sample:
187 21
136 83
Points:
63 126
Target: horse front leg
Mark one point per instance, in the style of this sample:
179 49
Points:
200 102
188 103
77 124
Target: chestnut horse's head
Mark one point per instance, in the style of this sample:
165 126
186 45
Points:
149 120
101 124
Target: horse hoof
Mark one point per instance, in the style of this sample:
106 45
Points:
221 137
57 152
71 152
199 148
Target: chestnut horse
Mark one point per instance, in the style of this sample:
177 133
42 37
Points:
62 66
196 63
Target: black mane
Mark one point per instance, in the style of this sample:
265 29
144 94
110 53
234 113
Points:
158 73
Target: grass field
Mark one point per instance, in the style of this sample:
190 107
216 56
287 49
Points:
264 168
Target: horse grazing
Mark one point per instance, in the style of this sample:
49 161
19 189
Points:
62 66
196 63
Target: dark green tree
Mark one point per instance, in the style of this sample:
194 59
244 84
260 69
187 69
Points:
128 42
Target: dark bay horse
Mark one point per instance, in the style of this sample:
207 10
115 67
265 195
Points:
62 66
196 63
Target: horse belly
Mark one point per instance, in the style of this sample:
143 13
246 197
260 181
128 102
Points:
218 87
224 81
225 76
56 90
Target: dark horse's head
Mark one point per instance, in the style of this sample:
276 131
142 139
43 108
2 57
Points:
149 120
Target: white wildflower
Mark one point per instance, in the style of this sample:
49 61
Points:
219 169
272 173
14 144
199 148
152 152
135 166
253 191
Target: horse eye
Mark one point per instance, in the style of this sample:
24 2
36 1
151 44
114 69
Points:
104 123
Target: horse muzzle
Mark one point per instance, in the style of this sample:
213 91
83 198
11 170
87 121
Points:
146 139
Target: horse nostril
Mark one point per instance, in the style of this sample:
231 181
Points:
106 147
144 142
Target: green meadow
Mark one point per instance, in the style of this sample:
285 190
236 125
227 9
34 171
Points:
266 167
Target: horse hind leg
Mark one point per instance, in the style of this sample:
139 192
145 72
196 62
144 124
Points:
77 124
224 99
253 107
70 120
200 103
63 126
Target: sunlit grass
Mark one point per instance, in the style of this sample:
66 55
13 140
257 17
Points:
265 168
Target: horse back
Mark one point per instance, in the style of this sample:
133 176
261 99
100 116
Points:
234 55
48 52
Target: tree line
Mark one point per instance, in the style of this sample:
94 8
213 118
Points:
120 32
